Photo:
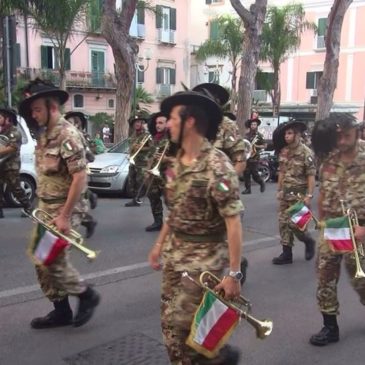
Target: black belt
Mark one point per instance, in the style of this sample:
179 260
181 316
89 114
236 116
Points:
217 237
295 190
53 200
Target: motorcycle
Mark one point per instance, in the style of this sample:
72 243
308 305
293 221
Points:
268 166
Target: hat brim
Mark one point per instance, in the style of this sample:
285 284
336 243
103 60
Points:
11 114
132 120
216 90
24 106
250 121
211 108
230 116
79 115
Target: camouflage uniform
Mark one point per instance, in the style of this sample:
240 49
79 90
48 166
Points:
252 162
59 154
296 164
340 181
9 170
136 172
199 197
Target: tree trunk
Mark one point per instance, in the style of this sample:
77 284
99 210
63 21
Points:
115 29
328 82
253 22
233 104
276 94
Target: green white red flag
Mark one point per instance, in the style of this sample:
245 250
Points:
338 235
212 326
47 246
300 215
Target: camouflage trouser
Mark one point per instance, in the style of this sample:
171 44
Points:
328 273
135 180
154 195
181 298
252 168
60 278
12 179
287 229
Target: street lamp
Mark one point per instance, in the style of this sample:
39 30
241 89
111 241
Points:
140 67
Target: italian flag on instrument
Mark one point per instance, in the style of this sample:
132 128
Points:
337 234
47 246
213 324
300 215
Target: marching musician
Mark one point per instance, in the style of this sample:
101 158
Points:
61 181
202 193
79 120
336 141
138 141
10 153
160 140
296 176
258 143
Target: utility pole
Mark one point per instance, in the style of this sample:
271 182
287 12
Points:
9 56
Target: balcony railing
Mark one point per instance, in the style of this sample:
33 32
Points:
166 36
164 90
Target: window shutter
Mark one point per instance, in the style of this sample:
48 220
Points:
159 75
310 80
44 57
140 76
17 55
158 16
214 29
140 16
322 23
208 2
173 19
67 59
172 76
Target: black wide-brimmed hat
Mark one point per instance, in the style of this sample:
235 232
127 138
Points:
211 108
39 89
83 118
250 121
134 118
278 136
230 116
10 113
152 122
220 94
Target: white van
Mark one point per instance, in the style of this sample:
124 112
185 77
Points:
27 168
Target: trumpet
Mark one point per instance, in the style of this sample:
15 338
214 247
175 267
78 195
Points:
358 249
253 151
144 141
155 170
248 148
74 238
208 281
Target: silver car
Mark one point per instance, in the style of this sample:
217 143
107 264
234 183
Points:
109 171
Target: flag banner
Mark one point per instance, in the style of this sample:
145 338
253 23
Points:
300 215
337 234
46 246
212 326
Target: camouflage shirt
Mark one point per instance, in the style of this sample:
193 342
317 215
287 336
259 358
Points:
296 164
59 154
229 141
258 139
343 181
15 141
135 143
200 196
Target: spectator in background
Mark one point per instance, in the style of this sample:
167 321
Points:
98 145
106 134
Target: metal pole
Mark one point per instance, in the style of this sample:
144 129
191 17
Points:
135 89
8 68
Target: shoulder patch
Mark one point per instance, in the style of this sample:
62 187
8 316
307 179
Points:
68 146
223 185
310 159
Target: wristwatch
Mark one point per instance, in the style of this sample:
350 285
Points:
309 195
236 275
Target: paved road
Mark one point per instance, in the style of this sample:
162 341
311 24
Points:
126 329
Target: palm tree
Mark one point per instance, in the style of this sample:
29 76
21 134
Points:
281 36
142 97
227 44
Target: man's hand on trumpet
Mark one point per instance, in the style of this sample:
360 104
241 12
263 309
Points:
230 286
360 233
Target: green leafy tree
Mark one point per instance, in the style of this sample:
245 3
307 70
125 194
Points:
226 45
281 36
100 119
142 99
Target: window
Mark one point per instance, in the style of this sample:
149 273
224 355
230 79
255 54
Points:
94 15
18 62
97 68
213 1
214 30
137 28
166 24
313 79
165 78
111 103
140 74
213 77
50 58
78 101
322 23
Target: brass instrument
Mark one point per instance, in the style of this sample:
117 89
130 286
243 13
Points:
144 141
4 140
253 146
74 238
358 250
248 148
208 281
155 170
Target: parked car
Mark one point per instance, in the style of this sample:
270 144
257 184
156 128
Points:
109 171
27 170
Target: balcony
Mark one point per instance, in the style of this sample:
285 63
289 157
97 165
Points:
137 31
166 36
260 95
164 90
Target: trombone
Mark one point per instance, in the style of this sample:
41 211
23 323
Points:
208 281
155 170
358 249
144 141
74 238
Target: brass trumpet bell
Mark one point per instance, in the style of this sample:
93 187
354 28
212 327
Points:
155 171
144 141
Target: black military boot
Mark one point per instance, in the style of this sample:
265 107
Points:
93 199
310 245
132 203
244 264
329 333
1 213
156 225
247 191
88 300
228 355
60 316
262 186
90 227
286 257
